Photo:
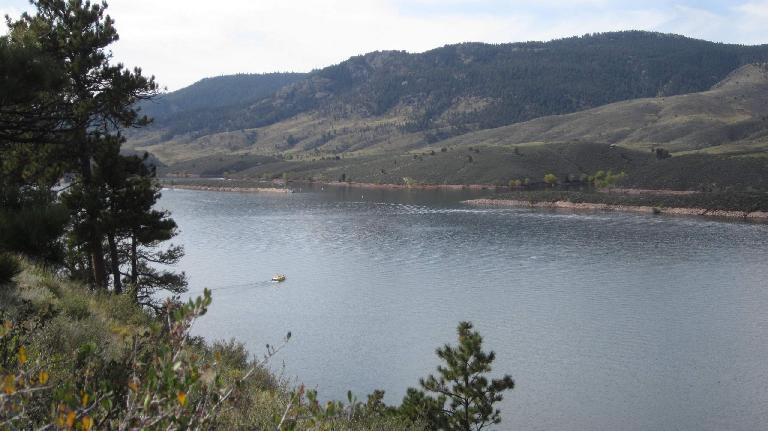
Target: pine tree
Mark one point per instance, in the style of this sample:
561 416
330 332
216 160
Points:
136 232
30 221
95 100
28 78
462 384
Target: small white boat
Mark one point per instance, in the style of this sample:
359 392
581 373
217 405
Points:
278 277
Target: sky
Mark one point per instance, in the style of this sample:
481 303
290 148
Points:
183 41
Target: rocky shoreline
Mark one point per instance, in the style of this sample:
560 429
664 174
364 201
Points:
227 189
411 186
580 206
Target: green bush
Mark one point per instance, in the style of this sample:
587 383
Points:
34 230
461 397
550 179
75 307
9 267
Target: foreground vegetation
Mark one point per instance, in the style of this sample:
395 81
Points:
74 358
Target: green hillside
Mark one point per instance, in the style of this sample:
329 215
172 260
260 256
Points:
732 117
212 99
396 98
717 140
391 117
569 162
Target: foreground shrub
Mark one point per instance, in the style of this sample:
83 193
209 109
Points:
159 382
9 267
71 358
461 397
34 230
66 364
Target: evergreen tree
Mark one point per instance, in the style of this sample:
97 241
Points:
136 232
68 116
464 397
30 221
28 79
94 101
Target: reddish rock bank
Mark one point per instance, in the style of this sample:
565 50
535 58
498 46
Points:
576 206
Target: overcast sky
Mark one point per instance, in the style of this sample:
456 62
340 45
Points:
182 41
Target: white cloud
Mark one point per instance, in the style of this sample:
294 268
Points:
751 24
10 11
181 41
181 44
755 9
695 22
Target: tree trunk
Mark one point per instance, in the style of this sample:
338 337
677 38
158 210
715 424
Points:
115 261
97 262
134 261
134 267
92 219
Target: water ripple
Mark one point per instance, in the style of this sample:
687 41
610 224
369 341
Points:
606 320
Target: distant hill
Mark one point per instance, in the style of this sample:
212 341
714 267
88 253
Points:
637 90
480 85
718 140
476 86
390 101
732 117
210 100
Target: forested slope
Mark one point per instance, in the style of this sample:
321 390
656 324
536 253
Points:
456 88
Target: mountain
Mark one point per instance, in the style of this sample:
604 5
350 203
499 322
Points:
212 99
395 101
571 106
732 117
475 85
718 139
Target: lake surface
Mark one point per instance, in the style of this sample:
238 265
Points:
606 321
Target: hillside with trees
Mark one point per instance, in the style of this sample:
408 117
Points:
211 100
713 139
372 117
460 88
731 117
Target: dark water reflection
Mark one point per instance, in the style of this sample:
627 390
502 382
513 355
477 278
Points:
607 321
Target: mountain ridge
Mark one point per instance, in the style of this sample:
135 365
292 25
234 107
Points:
733 115
735 109
359 118
459 88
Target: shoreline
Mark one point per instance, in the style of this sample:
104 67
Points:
226 189
584 206
170 183
559 204
411 186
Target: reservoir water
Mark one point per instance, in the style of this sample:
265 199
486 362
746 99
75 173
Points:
606 321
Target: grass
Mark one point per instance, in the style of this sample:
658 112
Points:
497 165
70 315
